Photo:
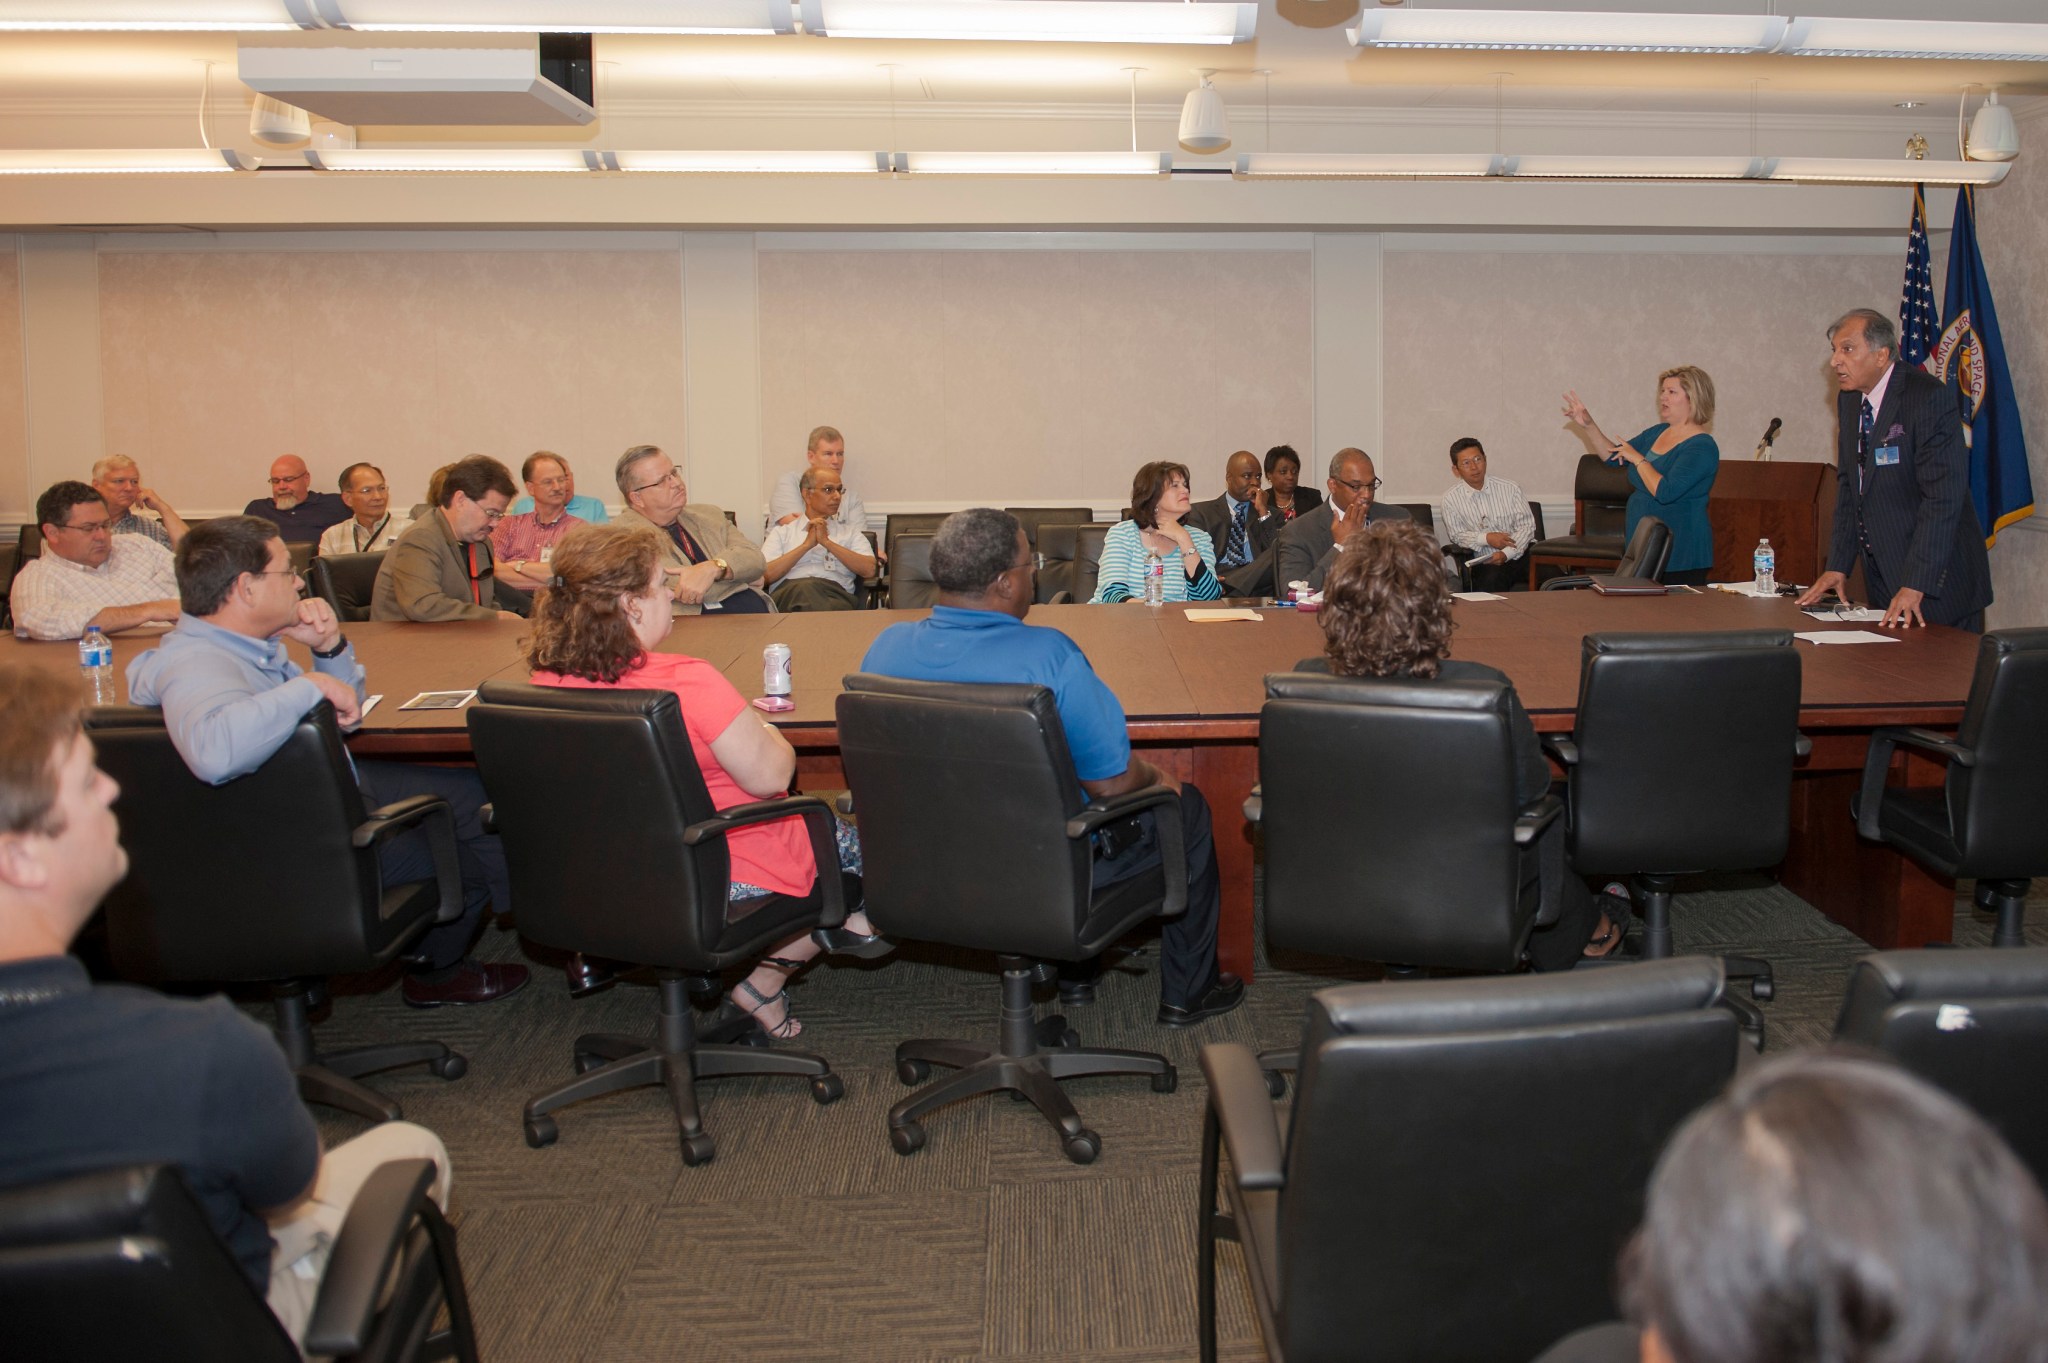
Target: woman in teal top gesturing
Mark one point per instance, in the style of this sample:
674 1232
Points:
1672 466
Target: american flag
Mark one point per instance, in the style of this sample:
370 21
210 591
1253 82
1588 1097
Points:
1919 323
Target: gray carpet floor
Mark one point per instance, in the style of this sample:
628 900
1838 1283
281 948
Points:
809 1238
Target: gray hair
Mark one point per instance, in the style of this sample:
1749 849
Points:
101 468
1879 331
972 549
1345 456
622 472
809 481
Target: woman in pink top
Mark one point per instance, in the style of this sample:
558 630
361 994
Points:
597 627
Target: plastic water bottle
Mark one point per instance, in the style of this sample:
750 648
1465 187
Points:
1155 580
96 667
1766 563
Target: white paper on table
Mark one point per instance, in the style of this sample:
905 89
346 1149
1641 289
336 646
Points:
1859 614
439 700
1847 636
1479 596
1213 613
370 703
1740 588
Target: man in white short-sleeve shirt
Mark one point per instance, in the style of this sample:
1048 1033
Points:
87 575
825 450
814 563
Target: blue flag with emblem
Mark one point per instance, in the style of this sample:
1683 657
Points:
1918 321
1970 355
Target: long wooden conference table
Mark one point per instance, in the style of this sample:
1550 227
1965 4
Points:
1192 693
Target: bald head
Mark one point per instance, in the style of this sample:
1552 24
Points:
1351 478
1242 475
288 481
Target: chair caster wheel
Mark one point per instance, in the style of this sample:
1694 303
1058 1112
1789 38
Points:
1762 990
586 1062
908 1138
541 1132
698 1149
1167 1082
913 1073
449 1066
1276 1083
1054 1034
1083 1146
827 1088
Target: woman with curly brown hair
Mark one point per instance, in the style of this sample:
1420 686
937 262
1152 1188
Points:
598 627
1387 613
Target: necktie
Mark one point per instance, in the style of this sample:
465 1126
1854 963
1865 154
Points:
685 542
1864 422
1238 549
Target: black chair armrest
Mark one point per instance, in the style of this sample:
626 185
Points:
487 817
1255 804
1062 597
1244 1111
1533 820
1561 746
818 822
1877 761
431 813
1096 813
844 804
363 1256
1572 583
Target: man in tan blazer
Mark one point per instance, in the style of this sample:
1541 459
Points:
716 568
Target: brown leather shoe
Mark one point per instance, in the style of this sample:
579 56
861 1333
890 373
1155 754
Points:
471 983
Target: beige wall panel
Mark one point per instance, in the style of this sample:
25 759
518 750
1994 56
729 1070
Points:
17 498
1485 344
1029 376
216 363
2012 224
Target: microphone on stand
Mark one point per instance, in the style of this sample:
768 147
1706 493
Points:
1763 447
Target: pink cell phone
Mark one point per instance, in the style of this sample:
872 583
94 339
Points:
774 705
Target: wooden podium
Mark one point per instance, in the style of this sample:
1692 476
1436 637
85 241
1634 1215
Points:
1792 505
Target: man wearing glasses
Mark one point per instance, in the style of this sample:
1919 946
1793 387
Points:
87 575
300 515
524 541
1488 516
1311 541
441 569
120 482
815 562
717 569
371 527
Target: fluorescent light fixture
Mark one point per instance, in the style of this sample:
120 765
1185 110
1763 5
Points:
753 162
1044 21
198 16
454 159
142 161
1564 31
1923 38
1155 163
1885 171
560 16
1281 165
1637 167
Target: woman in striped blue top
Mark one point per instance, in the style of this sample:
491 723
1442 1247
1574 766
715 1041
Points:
1159 498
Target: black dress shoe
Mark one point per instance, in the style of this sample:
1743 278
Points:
471 983
846 942
588 974
1224 995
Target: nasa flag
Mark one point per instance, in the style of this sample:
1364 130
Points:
1970 355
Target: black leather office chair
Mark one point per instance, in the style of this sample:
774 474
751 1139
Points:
1645 558
125 1264
1986 822
1054 584
1972 1022
271 878
1088 542
1422 513
1035 519
910 573
634 869
1464 1160
346 582
28 544
10 559
902 523
1600 493
975 833
1681 762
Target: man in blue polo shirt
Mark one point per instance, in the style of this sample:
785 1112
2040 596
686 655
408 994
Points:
982 565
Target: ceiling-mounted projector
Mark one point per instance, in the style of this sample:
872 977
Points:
507 79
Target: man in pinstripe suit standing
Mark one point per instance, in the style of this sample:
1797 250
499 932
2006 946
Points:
1903 497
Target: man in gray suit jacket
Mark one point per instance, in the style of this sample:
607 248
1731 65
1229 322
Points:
1250 571
717 569
1903 499
1309 544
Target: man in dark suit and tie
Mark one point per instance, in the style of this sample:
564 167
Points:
1903 498
1244 524
1312 540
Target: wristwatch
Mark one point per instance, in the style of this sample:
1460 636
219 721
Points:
724 568
340 646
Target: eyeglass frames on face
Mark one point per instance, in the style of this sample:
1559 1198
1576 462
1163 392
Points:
295 478
89 528
672 476
1374 485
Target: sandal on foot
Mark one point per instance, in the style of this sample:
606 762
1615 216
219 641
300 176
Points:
781 1030
1606 942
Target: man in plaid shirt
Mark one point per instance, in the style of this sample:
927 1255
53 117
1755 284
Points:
88 575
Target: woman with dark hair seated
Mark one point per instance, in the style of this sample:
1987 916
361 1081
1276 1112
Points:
1833 1209
1159 499
598 626
1387 613
1283 471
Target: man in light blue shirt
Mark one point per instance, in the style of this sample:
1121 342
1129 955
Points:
582 508
976 633
231 696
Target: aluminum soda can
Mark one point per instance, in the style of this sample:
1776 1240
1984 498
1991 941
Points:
775 670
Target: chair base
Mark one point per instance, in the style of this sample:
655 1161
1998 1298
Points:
1028 1060
2007 899
329 1077
609 1062
1653 894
